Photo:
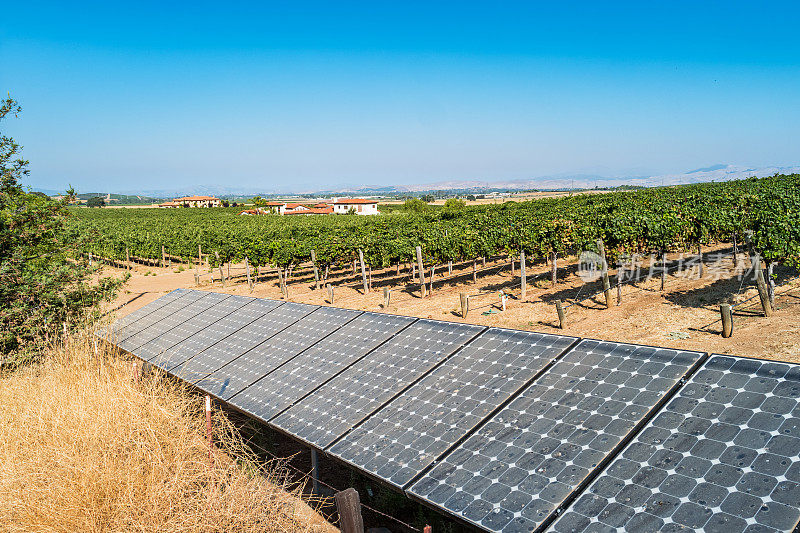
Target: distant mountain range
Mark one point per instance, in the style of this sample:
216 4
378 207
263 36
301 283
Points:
718 172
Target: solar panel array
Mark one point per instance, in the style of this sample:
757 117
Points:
407 435
504 430
723 455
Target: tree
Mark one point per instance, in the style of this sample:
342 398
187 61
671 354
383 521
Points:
471 197
428 198
258 201
44 284
96 201
454 204
415 205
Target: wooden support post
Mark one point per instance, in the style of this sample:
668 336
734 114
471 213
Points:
561 318
620 278
90 258
421 271
601 251
503 301
663 269
316 272
727 320
397 271
700 261
554 274
349 507
464 304
449 268
387 294
763 293
474 271
512 265
771 285
249 280
327 271
363 270
209 432
735 250
483 261
413 271
369 276
433 273
607 289
330 293
314 472
354 267
523 281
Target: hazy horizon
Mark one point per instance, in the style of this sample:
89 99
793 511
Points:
317 96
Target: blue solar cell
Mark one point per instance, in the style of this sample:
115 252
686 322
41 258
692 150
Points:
722 455
354 394
515 471
281 388
406 436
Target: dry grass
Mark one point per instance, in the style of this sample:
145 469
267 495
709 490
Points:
83 448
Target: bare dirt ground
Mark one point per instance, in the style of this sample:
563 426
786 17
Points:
685 315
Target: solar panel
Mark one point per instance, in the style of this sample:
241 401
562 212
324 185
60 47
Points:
723 455
160 352
154 315
173 320
290 382
216 332
111 333
253 323
273 352
402 439
218 356
520 466
354 394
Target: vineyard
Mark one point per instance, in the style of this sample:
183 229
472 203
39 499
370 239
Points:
649 221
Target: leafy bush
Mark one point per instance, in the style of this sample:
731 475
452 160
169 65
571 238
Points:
44 284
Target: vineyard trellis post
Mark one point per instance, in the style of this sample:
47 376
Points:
561 318
433 273
450 268
330 293
727 320
316 271
763 293
771 284
421 271
700 261
607 289
523 282
663 268
163 257
247 267
387 294
363 270
555 268
464 298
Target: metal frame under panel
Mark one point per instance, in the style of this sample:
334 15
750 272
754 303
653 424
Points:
353 395
289 383
401 440
523 464
722 455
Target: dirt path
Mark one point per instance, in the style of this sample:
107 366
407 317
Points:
685 315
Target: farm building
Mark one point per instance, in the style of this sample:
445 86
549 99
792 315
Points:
361 206
192 201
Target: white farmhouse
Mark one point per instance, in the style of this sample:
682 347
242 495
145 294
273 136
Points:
359 205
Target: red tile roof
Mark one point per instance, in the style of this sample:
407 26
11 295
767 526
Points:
195 198
355 201
312 211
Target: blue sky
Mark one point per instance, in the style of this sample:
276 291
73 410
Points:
122 96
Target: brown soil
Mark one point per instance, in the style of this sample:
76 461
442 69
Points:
689 307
